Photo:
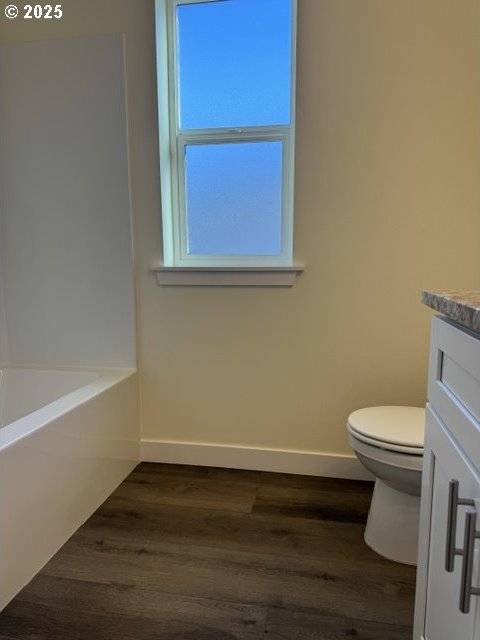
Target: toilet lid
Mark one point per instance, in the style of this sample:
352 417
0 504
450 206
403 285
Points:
401 427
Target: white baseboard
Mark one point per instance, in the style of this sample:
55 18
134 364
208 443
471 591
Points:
235 457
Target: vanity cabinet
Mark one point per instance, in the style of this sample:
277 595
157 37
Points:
448 595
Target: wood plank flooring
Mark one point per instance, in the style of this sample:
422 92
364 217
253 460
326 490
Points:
194 553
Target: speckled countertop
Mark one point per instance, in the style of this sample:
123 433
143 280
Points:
461 306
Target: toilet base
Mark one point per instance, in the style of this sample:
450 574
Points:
392 525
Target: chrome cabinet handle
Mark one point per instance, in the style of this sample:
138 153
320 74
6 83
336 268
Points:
466 589
453 501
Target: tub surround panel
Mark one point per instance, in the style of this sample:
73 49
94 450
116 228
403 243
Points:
55 473
65 240
25 391
461 306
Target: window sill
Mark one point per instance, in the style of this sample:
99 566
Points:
227 276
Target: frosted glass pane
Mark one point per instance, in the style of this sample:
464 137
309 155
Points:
234 63
233 198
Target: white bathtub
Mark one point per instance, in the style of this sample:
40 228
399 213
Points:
67 439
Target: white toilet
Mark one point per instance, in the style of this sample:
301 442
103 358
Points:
388 441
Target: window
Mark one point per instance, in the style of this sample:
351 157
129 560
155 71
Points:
226 116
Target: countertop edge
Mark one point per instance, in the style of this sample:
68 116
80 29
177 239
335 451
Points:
461 306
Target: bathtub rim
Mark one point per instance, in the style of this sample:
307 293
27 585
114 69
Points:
32 422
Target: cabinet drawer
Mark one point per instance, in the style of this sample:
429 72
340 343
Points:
454 382
462 385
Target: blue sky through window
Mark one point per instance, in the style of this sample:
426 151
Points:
234 63
234 197
234 71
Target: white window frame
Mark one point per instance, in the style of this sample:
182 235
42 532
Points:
172 156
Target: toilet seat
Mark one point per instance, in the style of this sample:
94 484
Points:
398 429
388 446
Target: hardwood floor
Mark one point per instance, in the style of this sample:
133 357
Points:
193 553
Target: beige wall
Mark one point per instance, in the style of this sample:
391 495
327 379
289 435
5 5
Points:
386 203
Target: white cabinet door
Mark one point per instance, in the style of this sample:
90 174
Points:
442 619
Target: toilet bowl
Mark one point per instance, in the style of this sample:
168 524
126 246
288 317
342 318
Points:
388 441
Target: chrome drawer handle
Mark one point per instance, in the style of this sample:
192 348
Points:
453 501
471 534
